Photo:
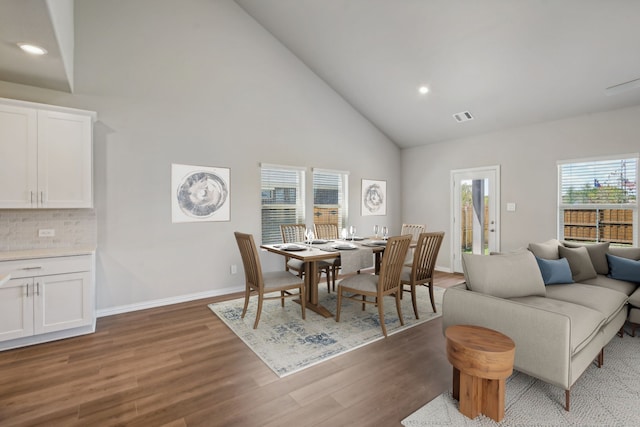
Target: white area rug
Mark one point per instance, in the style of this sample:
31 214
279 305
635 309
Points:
609 396
288 344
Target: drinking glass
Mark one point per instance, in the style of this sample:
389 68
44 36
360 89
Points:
343 234
385 233
352 231
375 231
307 236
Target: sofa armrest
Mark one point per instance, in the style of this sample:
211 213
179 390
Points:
542 337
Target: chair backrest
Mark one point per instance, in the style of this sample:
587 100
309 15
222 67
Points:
250 260
326 231
413 229
292 232
425 255
392 262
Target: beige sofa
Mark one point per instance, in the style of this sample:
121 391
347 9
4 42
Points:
559 328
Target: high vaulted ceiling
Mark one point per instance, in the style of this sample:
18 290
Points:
509 63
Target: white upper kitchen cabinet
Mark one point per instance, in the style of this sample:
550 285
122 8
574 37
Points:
46 156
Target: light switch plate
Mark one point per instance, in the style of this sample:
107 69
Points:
511 207
46 232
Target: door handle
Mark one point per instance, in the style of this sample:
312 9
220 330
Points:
38 288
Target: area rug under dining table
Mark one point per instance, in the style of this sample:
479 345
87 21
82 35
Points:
288 344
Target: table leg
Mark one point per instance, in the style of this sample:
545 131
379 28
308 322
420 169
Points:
470 395
456 383
378 258
493 392
311 284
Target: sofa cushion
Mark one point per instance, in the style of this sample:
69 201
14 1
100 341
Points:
579 261
546 250
585 321
606 301
505 276
623 286
555 271
597 253
625 252
623 268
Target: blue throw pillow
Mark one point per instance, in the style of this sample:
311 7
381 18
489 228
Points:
555 271
623 268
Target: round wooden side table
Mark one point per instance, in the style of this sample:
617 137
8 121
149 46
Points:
482 359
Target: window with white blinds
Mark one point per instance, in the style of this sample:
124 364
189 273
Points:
282 200
330 197
597 199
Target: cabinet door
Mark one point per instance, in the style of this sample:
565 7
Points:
18 154
64 160
16 309
62 301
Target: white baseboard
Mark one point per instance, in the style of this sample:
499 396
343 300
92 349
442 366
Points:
167 301
443 269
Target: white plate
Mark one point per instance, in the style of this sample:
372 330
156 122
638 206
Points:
379 242
292 247
344 246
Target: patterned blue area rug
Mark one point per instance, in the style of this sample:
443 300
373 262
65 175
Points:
609 396
288 344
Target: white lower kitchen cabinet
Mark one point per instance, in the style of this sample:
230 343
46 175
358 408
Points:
46 299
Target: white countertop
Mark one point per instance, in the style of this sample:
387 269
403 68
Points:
45 253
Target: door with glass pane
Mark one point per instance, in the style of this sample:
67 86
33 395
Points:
475 222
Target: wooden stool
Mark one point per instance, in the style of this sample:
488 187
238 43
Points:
482 359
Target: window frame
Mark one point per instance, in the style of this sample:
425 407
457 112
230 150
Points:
598 220
343 194
270 231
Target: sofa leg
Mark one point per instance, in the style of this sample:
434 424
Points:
621 332
567 399
601 358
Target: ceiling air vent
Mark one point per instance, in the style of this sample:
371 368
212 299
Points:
463 117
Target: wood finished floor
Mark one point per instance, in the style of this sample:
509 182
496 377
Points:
179 365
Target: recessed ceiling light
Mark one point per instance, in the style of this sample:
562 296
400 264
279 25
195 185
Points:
423 89
32 48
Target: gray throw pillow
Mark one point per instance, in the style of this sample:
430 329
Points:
546 250
597 253
505 276
579 262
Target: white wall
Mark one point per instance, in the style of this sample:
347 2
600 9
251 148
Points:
199 83
528 158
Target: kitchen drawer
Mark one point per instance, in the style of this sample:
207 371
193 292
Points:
45 266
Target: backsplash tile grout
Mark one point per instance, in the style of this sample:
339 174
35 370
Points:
73 227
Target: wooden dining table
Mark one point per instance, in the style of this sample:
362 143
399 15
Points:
310 257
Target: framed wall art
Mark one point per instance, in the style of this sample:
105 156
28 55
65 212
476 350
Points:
374 197
199 193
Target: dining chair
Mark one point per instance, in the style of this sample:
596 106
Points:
329 232
414 230
265 282
420 272
292 233
387 283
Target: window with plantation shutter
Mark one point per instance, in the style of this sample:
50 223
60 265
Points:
330 197
282 200
597 200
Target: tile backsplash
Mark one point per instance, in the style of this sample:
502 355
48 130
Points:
73 227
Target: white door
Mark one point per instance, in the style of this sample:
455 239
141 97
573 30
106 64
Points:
18 155
64 160
63 301
475 223
16 309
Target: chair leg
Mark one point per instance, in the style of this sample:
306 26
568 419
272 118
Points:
282 298
433 302
413 301
601 358
364 298
381 315
260 299
399 308
247 293
339 303
567 399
